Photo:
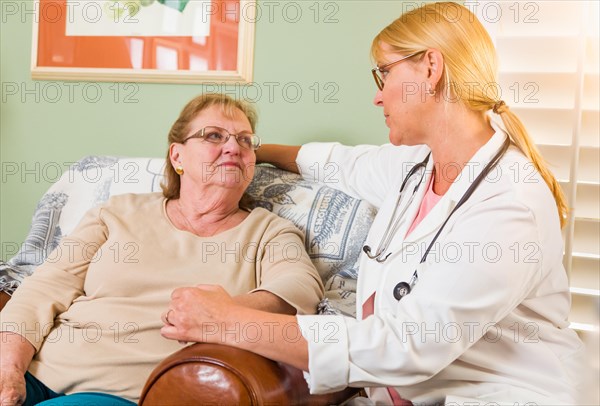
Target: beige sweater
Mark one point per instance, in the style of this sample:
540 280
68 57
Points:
92 310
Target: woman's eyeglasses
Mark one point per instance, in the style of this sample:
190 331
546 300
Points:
380 72
218 135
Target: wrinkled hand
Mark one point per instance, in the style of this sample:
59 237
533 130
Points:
12 387
199 314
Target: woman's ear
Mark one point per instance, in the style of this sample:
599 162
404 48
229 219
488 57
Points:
175 154
435 65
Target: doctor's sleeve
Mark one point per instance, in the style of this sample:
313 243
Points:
367 172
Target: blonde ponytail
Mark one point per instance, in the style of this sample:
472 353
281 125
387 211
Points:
520 137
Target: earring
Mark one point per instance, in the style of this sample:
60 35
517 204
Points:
431 91
179 170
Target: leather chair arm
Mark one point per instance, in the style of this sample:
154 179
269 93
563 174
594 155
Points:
4 297
212 374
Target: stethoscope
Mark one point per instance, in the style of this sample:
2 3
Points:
404 288
394 222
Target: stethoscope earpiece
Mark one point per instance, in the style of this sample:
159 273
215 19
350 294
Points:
377 257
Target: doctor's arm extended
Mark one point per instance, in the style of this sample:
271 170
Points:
356 170
282 156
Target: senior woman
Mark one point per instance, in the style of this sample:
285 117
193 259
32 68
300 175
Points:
88 326
462 297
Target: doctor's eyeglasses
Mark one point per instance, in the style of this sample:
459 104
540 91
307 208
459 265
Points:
218 135
380 72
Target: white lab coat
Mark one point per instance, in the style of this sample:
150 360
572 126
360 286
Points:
487 319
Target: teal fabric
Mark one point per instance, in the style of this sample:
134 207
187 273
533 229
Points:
87 399
40 394
36 391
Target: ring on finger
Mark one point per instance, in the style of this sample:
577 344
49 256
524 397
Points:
167 317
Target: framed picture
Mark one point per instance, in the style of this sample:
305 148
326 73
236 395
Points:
168 41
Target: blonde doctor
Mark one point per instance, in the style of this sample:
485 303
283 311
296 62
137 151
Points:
461 294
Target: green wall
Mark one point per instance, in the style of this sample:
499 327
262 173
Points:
42 132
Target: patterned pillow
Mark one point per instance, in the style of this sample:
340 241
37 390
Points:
335 225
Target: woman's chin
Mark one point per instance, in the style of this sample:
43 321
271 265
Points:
395 139
234 185
403 138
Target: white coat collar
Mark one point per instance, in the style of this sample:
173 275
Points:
469 173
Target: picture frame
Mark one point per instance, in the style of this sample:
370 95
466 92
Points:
222 53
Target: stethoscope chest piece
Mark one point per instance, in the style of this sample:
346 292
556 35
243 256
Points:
401 289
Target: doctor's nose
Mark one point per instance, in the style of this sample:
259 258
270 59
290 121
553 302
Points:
378 100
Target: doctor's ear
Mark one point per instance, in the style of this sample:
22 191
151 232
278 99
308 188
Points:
435 64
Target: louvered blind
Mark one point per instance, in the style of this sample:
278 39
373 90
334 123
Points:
548 55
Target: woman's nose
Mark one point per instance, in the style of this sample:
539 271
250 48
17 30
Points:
231 145
378 100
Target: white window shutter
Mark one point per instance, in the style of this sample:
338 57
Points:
548 56
548 73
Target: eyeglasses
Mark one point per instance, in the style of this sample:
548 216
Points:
380 72
218 135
